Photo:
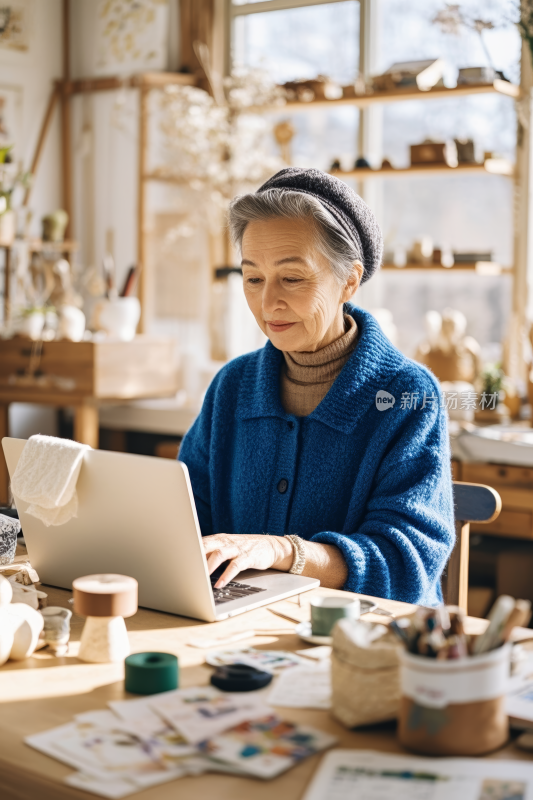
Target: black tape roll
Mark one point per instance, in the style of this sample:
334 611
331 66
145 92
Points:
240 678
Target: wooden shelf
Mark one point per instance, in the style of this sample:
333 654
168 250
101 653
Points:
143 80
38 246
492 166
164 178
409 93
488 268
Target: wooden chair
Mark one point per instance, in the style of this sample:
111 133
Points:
473 503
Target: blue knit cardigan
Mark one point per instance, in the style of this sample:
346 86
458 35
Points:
362 472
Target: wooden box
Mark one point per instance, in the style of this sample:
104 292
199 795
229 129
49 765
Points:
144 367
513 573
429 153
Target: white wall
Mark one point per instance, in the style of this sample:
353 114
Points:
33 73
105 137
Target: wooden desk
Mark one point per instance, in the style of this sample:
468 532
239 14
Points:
82 375
43 692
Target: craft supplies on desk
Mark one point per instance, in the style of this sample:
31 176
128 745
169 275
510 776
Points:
9 531
273 661
200 713
364 673
305 686
456 706
453 686
240 678
145 742
44 693
346 774
150 673
56 632
105 600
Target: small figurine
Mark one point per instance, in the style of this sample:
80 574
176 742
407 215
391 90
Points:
284 133
447 352
54 226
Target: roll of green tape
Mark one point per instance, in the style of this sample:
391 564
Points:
151 673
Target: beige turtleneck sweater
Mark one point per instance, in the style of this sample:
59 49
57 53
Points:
306 378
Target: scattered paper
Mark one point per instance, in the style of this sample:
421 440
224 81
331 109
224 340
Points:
201 713
307 686
110 787
520 704
316 653
145 742
267 747
105 747
272 661
367 775
140 715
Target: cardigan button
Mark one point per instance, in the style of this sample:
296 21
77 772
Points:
283 485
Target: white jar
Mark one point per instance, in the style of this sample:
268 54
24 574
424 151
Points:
32 325
8 227
119 317
71 324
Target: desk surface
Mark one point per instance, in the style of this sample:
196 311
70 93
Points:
43 692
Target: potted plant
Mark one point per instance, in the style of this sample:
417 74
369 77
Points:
10 178
492 411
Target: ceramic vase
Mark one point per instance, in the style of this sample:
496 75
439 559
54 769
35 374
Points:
32 325
8 227
54 226
28 625
71 324
119 317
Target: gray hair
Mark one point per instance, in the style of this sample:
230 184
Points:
330 239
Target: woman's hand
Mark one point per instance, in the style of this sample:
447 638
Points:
246 551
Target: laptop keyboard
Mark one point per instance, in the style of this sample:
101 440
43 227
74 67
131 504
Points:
233 591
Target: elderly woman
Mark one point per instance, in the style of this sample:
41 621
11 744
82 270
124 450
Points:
326 452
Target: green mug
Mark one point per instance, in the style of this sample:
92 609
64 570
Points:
325 611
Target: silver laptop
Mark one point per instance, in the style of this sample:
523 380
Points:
137 517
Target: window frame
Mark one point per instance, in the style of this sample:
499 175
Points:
273 5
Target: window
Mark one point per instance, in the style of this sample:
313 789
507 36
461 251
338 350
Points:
302 43
468 213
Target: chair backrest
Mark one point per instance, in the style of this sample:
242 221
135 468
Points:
473 503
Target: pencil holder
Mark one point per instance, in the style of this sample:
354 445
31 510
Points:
455 707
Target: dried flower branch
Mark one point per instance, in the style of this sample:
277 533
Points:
221 149
525 23
452 18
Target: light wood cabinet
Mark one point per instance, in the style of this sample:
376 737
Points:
145 367
515 486
81 375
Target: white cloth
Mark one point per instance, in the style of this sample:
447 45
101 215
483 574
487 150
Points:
46 477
